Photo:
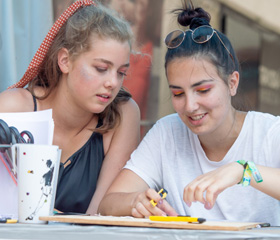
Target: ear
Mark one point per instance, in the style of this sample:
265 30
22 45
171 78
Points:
233 83
63 60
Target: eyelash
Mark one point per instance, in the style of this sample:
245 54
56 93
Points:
101 70
123 74
203 90
178 94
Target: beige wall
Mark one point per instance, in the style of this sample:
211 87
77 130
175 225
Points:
264 13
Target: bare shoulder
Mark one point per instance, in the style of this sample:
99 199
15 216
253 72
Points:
130 120
130 108
16 100
130 115
129 128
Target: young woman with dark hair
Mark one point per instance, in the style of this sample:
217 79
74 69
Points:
208 153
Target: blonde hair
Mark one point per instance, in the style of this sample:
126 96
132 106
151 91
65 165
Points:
88 22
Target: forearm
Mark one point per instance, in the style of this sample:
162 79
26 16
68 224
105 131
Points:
269 185
117 204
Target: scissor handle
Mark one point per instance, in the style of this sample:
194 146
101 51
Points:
30 138
15 135
5 134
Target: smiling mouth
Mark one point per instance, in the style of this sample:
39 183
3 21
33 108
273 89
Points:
196 118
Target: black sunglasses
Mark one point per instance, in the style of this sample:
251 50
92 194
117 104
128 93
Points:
200 35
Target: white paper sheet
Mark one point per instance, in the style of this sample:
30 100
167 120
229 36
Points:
39 123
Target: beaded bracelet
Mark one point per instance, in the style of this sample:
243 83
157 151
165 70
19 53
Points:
249 170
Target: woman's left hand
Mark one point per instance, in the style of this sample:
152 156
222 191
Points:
212 183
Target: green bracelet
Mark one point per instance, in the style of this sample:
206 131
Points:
246 178
249 170
254 170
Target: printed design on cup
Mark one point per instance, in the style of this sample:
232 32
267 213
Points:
46 188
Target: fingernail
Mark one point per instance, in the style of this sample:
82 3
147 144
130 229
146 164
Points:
164 215
207 205
160 202
188 204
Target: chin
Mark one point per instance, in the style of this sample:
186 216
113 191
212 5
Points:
100 111
97 110
200 131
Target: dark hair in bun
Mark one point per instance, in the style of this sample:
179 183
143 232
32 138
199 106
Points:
217 49
190 16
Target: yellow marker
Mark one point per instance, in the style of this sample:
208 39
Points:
163 193
8 220
12 221
177 219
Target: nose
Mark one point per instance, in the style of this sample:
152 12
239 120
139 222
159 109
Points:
112 81
191 103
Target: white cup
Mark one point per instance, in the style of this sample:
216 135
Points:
37 173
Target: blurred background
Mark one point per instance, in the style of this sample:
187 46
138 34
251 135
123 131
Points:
252 26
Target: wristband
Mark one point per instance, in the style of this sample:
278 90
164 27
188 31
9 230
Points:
249 170
246 178
255 172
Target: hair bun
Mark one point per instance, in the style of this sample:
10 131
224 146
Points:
193 17
197 22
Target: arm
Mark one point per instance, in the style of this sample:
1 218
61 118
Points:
271 176
16 100
214 182
129 195
124 140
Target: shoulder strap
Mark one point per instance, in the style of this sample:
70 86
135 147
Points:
34 101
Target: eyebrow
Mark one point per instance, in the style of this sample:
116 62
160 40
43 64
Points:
194 85
110 63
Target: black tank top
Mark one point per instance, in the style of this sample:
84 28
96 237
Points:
77 181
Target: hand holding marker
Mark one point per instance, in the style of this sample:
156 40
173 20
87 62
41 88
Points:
163 194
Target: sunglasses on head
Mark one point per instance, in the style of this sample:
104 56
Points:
200 35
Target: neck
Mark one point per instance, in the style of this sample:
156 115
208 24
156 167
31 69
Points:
67 116
216 145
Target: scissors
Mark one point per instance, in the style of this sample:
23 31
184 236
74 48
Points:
11 135
8 137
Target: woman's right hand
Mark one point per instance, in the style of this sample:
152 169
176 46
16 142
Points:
142 207
130 195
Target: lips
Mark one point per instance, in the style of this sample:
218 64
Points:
197 117
103 96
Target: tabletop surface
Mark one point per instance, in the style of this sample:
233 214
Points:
66 231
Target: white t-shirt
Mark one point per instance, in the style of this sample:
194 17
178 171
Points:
170 156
